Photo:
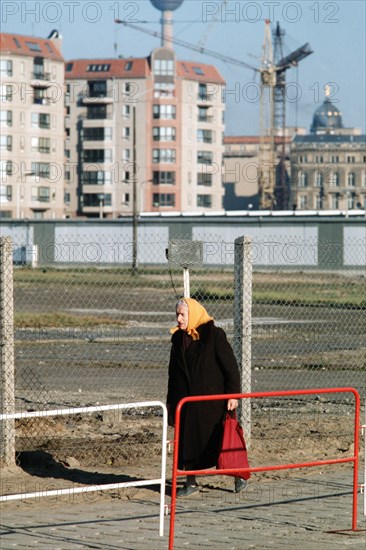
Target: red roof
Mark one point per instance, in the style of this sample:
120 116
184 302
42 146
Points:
133 67
108 68
18 44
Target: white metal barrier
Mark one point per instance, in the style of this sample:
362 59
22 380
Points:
102 487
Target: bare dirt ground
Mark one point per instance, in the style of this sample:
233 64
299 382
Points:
105 449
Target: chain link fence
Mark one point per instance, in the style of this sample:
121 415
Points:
90 331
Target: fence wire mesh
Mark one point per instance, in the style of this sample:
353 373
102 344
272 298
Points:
89 331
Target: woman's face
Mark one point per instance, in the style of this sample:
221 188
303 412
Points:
182 316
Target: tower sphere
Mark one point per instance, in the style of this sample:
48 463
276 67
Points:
166 5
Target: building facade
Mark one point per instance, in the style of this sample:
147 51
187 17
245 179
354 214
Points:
143 134
32 127
328 166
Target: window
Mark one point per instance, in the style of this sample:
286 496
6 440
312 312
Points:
318 202
6 169
6 143
126 111
97 155
34 46
40 120
198 70
5 193
41 194
203 114
5 214
319 159
126 155
351 200
128 65
350 159
334 159
17 43
98 67
204 157
302 179
41 169
303 202
163 177
126 132
164 111
204 136
203 94
204 179
318 179
204 201
163 199
334 179
97 88
38 69
97 177
40 96
97 134
163 133
40 144
6 93
163 89
69 67
302 159
6 67
126 199
163 155
95 199
334 201
96 112
6 118
163 67
351 180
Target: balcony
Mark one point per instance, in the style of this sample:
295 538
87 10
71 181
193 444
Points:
90 98
40 79
205 98
202 118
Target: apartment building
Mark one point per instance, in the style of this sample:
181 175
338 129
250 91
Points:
143 134
32 127
328 165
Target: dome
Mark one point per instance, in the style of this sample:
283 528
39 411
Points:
326 117
167 5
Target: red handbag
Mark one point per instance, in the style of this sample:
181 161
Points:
233 453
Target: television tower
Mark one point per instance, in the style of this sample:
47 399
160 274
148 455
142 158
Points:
167 7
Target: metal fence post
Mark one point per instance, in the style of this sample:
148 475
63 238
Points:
7 392
242 344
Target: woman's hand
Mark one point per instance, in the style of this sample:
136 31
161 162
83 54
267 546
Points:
232 404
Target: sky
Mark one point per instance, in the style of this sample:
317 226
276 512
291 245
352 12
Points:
335 30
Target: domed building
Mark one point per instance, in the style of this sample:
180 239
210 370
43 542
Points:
328 165
326 119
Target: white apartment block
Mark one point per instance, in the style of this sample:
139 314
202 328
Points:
143 133
32 127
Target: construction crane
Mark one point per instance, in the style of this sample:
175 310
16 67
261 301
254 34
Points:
273 85
272 189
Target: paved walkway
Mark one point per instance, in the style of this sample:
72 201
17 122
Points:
307 512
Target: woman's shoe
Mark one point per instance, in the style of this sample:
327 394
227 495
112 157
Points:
240 484
188 490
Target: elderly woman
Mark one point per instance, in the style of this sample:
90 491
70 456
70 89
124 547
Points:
202 362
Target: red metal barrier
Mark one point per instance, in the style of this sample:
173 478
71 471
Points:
353 458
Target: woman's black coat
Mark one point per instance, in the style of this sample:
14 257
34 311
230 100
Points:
212 370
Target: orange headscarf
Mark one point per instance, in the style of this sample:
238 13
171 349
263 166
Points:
197 316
